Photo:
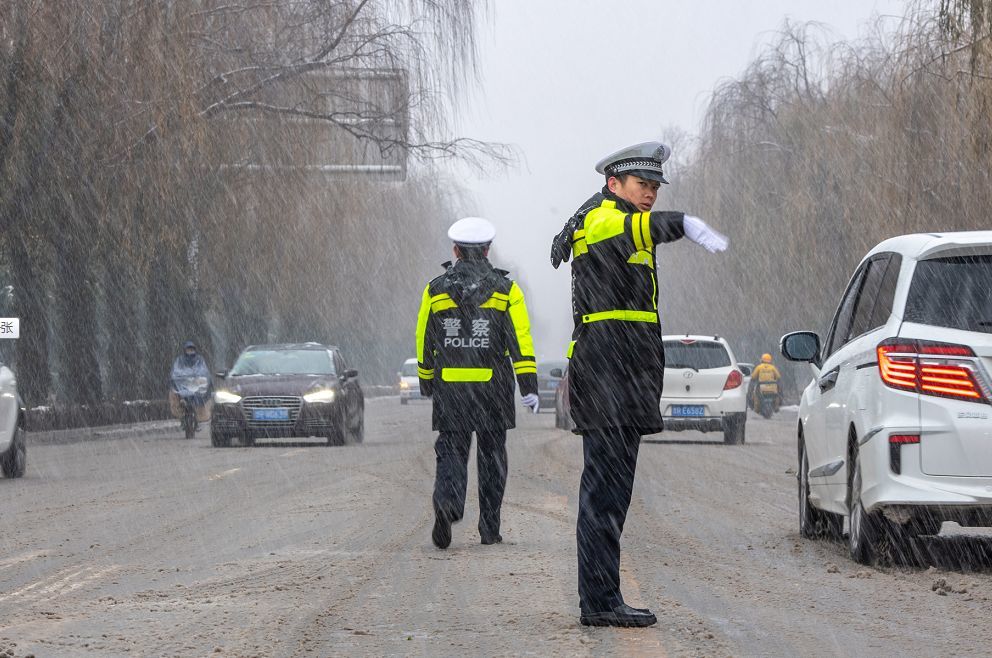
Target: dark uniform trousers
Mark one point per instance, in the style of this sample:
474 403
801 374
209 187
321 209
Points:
604 496
451 482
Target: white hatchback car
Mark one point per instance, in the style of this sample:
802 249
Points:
409 382
703 387
894 429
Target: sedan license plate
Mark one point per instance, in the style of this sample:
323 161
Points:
688 410
275 413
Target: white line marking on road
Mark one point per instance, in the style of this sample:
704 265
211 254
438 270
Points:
65 585
293 452
223 474
57 583
18 559
27 588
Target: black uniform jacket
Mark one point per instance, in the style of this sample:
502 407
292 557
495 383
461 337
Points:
473 335
617 359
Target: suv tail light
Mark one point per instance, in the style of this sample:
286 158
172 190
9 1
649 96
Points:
734 379
931 368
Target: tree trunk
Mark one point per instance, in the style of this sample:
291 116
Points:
161 335
77 345
246 322
34 377
122 329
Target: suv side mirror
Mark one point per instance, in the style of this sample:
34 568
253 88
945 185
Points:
802 346
221 374
350 374
556 373
745 370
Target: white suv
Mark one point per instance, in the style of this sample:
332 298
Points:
409 382
894 430
13 444
703 387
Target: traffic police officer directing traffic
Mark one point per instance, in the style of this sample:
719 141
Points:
617 357
473 335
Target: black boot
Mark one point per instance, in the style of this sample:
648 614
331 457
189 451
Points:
441 535
622 615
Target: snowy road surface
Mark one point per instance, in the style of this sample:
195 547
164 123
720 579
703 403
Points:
152 545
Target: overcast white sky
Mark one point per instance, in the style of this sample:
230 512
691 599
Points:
569 81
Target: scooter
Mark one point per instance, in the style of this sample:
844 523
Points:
193 394
766 399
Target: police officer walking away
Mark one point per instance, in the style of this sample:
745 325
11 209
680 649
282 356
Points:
473 335
617 357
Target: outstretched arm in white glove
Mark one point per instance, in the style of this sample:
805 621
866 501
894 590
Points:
700 232
531 400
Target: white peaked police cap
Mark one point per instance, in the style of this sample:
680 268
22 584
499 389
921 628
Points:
642 160
472 232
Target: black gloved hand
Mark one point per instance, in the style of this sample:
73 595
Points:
561 246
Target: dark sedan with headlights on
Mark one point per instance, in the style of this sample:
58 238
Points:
290 390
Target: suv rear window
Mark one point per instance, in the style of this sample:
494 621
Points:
952 292
699 355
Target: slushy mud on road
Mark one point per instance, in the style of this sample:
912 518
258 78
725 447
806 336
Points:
153 545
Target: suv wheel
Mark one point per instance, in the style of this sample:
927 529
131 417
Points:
14 462
863 532
813 522
733 429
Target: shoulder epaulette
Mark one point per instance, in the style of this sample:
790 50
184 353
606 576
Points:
595 201
447 266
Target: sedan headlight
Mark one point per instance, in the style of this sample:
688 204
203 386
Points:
322 395
226 397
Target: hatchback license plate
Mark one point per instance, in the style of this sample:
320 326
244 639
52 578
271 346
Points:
275 413
685 410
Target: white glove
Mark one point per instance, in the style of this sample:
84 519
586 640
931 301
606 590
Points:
699 232
531 400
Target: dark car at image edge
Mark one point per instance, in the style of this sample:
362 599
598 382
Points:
563 411
286 391
547 383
